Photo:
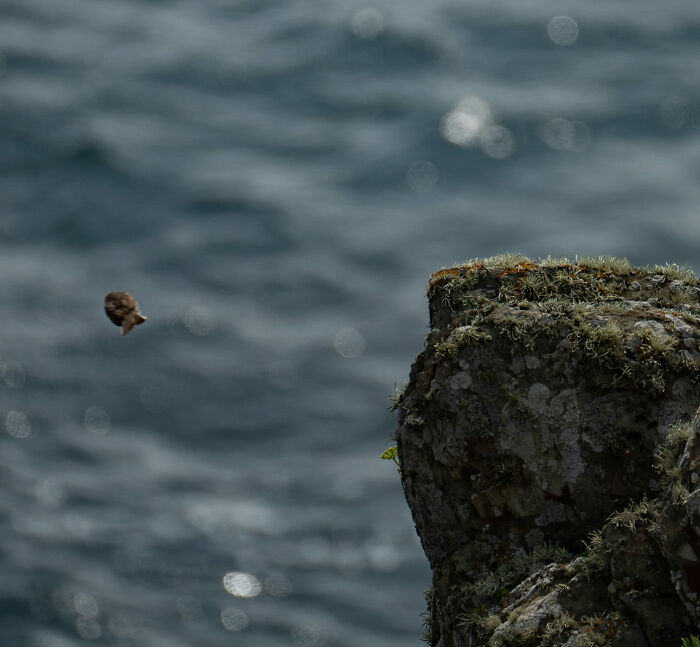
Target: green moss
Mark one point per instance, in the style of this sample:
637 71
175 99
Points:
666 458
560 309
583 279
642 512
594 309
674 271
609 264
495 584
583 300
480 621
642 356
458 338
453 283
605 343
558 630
599 629
606 265
517 329
601 544
597 555
539 283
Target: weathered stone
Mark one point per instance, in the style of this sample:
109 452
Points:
550 411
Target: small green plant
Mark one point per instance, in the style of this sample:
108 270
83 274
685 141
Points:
691 641
391 454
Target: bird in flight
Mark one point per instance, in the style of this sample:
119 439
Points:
122 310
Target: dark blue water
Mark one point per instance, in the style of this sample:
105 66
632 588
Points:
275 182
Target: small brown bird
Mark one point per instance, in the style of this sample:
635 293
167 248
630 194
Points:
122 310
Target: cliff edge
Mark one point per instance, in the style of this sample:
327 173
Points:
550 453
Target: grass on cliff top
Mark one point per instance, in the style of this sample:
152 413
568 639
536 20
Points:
566 292
605 264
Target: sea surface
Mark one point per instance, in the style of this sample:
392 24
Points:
275 181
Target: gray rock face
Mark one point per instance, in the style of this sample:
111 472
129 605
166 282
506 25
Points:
550 455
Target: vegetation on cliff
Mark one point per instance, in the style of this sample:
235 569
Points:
550 453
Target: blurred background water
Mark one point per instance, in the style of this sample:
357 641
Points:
275 182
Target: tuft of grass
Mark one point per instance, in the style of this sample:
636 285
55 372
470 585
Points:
500 582
557 630
397 396
682 297
574 277
503 261
665 461
607 264
640 512
603 342
601 629
690 641
597 554
674 271
517 329
458 338
643 513
480 619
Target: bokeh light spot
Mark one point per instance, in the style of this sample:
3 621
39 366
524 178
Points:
564 135
349 343
85 604
497 142
464 123
242 585
422 176
383 557
96 420
198 321
563 30
17 424
234 619
367 23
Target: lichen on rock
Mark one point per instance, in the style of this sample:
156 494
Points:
550 454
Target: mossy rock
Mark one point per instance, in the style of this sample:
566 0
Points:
535 412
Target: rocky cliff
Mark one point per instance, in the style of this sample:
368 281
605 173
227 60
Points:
550 453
